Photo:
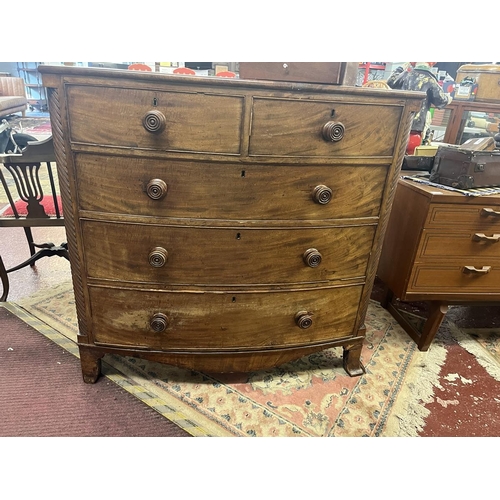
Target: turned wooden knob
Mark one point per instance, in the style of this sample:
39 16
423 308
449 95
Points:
154 121
312 257
159 322
158 257
303 319
322 194
333 131
156 189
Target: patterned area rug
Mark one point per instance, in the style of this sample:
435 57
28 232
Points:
312 396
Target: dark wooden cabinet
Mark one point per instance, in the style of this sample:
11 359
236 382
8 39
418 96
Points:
222 224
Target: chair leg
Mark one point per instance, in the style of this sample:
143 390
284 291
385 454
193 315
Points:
29 237
5 281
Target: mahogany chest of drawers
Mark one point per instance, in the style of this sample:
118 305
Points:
222 225
442 247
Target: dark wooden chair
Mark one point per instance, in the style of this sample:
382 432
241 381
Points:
33 201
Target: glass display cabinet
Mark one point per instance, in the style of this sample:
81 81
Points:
463 120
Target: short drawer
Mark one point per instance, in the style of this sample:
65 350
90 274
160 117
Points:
218 321
325 128
227 256
162 188
159 120
483 278
471 244
463 216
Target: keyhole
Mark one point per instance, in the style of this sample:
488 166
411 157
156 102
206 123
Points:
238 236
233 299
242 173
333 113
155 101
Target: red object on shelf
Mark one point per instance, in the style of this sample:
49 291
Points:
414 141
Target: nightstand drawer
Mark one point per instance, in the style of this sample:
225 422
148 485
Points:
482 277
485 216
219 321
295 128
229 191
451 244
227 256
159 120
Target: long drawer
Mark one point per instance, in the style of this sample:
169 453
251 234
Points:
151 119
229 256
230 191
218 321
325 128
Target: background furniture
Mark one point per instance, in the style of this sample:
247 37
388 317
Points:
463 120
35 91
221 224
334 73
32 192
12 96
442 247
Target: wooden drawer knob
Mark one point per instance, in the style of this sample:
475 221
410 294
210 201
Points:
312 257
303 319
156 189
322 194
333 131
158 257
154 121
158 322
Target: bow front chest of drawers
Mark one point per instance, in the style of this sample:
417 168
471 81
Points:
222 225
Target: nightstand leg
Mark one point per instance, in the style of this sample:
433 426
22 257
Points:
90 360
436 315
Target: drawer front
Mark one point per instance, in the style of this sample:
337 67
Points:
454 279
197 122
188 255
324 72
242 192
365 130
219 321
470 244
485 216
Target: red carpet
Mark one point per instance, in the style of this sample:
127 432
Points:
21 207
43 395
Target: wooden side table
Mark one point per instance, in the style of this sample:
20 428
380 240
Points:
442 247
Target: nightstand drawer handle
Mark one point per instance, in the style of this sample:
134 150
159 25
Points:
156 189
312 257
475 270
333 131
158 257
159 322
483 237
487 212
322 194
303 319
154 121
